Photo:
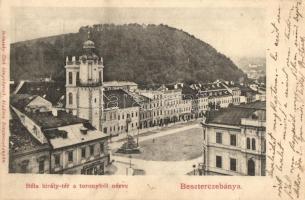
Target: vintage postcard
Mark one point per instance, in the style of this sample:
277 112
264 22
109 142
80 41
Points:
152 99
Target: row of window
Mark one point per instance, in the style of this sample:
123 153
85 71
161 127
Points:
251 143
113 116
70 74
83 153
233 163
232 138
119 128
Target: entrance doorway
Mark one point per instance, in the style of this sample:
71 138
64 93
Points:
251 167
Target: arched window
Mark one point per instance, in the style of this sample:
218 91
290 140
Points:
253 144
70 98
248 143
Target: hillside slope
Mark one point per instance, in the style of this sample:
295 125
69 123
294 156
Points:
144 54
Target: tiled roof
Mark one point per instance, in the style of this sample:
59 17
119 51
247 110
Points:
21 140
118 98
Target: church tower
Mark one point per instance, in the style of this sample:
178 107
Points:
84 85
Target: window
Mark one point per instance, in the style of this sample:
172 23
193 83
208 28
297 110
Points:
83 152
132 114
248 143
57 159
100 76
122 116
77 78
253 144
102 147
70 156
41 166
232 164
90 71
91 150
118 117
70 78
233 140
218 161
218 137
105 130
70 98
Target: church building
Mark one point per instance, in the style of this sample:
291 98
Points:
84 85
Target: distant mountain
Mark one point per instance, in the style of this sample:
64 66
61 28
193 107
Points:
247 63
145 54
254 67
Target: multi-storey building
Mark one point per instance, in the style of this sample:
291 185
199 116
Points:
27 154
235 140
84 85
156 104
121 114
76 147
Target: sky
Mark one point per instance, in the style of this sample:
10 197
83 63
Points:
234 31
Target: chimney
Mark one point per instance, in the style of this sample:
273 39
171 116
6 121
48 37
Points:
83 130
54 112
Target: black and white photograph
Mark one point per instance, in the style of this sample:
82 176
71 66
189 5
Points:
138 91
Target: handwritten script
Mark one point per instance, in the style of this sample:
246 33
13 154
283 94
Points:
285 135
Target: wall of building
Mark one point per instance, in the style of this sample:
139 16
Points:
29 162
78 160
238 152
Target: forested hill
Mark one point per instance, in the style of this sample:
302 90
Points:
145 54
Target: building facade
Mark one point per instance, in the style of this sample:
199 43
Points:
235 141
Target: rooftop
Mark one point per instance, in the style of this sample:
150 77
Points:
20 101
119 83
233 115
118 98
49 90
73 135
48 120
20 140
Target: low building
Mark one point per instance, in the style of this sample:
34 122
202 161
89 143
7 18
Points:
124 85
76 147
235 140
